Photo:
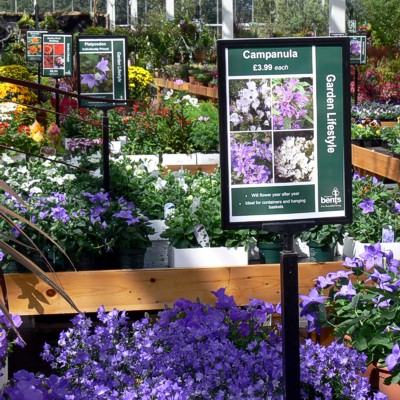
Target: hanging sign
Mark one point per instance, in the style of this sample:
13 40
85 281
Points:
284 131
358 49
34 46
57 55
102 64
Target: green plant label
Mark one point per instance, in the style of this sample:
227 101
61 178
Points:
285 130
57 55
102 64
34 46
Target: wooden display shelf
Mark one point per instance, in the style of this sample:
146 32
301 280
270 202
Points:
204 91
149 289
375 163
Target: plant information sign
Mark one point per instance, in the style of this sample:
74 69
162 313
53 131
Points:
103 74
34 46
358 49
57 55
284 131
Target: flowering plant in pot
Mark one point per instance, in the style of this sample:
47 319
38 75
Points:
270 244
374 207
217 351
323 237
361 305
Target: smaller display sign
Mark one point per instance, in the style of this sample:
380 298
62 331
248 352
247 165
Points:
358 49
102 70
57 55
34 46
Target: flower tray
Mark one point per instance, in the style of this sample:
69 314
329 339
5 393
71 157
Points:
207 257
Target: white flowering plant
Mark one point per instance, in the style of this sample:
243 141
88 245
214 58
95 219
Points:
250 105
294 158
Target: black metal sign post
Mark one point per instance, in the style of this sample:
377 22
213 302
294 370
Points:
290 320
57 86
106 151
289 307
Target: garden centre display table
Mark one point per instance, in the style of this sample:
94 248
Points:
204 91
149 289
374 161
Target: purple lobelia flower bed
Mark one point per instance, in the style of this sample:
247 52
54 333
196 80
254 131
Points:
191 351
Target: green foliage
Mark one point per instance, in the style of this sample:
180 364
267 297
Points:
384 17
205 129
327 235
297 17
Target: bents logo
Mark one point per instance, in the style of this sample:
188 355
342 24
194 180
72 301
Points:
334 198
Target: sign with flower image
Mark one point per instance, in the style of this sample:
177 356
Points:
57 55
358 49
34 46
102 71
285 131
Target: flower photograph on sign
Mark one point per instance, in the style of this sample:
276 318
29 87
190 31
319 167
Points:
96 70
54 55
355 48
294 157
292 103
251 158
250 107
34 46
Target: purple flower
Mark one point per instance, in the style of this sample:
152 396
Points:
393 358
90 80
324 281
367 206
372 256
396 207
346 291
103 65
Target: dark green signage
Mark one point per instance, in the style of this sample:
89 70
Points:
57 55
285 123
34 46
102 70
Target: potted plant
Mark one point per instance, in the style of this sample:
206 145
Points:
322 241
270 245
26 22
49 23
361 305
375 208
194 229
123 228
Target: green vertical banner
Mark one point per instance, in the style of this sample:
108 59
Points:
285 131
57 55
34 46
102 74
330 128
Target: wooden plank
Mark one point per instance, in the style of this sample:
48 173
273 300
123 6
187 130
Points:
149 289
376 163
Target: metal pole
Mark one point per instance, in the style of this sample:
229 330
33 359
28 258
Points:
57 104
290 320
356 84
106 152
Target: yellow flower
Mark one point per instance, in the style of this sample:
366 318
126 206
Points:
190 197
37 137
36 129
